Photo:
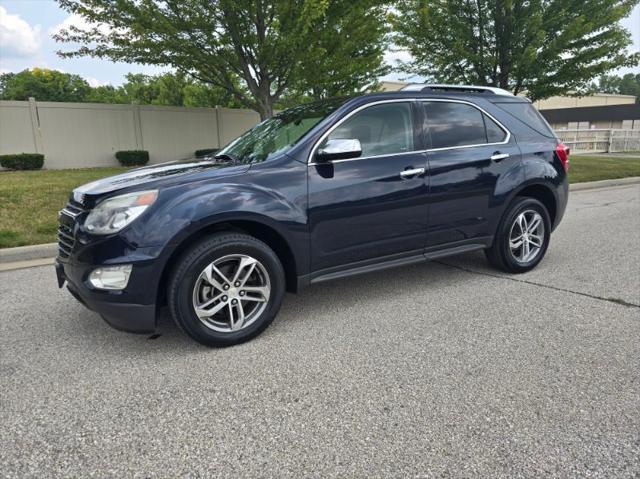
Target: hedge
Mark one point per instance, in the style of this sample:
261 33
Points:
206 152
133 157
22 161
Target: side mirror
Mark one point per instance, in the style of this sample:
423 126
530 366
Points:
339 149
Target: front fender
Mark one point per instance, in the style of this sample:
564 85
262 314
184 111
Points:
274 197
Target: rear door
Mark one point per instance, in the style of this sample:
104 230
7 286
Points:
372 206
473 162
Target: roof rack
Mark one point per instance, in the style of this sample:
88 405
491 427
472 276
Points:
425 87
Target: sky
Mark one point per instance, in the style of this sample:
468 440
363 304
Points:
26 27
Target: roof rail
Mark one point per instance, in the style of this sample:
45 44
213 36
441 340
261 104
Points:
426 87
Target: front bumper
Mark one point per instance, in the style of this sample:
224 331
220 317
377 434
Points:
114 307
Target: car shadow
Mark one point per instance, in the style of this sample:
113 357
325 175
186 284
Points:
356 291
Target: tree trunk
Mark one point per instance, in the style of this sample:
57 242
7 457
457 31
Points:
265 109
264 100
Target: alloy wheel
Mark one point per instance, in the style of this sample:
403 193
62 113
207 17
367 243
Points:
526 237
231 293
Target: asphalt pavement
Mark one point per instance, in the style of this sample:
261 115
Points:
448 369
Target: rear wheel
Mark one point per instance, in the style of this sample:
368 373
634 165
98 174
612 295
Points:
522 238
226 289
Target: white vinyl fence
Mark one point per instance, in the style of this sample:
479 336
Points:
601 141
76 135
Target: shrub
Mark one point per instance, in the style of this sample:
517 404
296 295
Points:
206 152
22 161
133 157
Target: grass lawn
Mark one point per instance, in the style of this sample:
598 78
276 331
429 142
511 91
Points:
30 200
592 168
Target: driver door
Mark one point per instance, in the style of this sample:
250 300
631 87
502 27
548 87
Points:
372 207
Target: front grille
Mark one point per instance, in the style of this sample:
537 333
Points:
66 236
73 209
66 241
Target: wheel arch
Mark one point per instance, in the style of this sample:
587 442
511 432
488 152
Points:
250 226
544 194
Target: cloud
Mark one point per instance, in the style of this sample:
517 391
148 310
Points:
77 21
17 37
94 82
395 55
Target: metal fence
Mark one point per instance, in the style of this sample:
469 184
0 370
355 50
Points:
601 140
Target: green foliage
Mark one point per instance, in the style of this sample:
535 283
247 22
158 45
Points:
628 84
542 47
172 89
22 161
133 157
349 45
43 84
106 94
206 152
255 50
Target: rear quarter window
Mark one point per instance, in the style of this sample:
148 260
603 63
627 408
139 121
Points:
526 113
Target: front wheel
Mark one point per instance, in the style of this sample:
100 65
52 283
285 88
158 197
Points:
226 289
522 238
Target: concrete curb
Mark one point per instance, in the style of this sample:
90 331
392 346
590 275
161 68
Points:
26 253
593 185
49 250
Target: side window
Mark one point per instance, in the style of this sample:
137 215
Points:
495 134
382 129
457 124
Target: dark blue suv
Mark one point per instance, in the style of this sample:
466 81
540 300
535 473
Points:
318 192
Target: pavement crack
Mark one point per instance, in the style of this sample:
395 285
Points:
618 301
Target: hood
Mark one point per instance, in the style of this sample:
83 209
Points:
153 176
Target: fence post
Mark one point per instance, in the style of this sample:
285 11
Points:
626 140
610 142
137 126
218 125
35 125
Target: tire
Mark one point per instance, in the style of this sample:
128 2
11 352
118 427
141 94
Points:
502 256
196 284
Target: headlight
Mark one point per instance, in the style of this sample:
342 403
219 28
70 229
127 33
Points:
113 214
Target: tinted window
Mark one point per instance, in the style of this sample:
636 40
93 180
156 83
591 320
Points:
495 134
382 129
454 124
527 114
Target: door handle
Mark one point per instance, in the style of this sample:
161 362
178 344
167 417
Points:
412 172
497 156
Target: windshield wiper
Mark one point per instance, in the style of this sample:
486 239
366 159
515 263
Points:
227 157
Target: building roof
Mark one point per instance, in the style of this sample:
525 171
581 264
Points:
593 113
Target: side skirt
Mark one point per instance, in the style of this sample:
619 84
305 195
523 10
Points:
380 264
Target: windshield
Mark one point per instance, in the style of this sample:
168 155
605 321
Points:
277 134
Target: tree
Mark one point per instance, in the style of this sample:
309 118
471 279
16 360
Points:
628 84
254 49
349 51
543 47
106 94
44 85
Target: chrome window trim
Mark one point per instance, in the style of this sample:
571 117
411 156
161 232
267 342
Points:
316 145
502 127
310 161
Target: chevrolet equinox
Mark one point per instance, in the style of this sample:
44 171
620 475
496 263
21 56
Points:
318 192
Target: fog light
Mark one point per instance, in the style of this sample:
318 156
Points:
111 277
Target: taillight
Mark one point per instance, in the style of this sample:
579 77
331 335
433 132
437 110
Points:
563 155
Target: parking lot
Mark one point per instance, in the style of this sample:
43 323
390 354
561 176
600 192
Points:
443 369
